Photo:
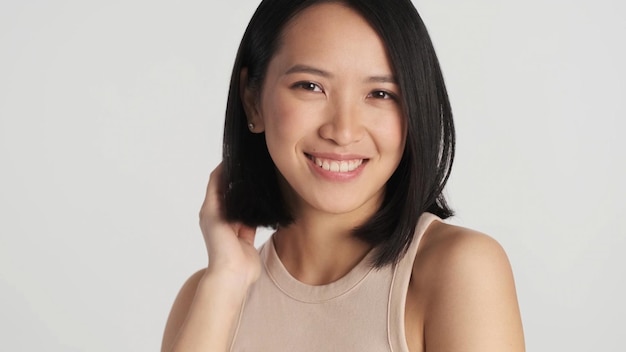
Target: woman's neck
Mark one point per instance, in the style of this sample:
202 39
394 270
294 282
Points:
320 249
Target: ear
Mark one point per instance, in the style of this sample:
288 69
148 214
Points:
250 100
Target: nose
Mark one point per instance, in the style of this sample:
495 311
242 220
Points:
344 125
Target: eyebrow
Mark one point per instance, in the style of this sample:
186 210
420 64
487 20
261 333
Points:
383 79
308 69
319 72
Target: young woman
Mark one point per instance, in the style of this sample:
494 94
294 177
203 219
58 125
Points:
339 134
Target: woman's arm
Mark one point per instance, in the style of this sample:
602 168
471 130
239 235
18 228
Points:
206 310
204 314
471 303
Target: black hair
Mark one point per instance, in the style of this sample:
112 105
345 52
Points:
251 189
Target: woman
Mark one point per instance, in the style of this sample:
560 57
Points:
339 134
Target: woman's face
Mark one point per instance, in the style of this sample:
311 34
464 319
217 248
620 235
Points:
331 113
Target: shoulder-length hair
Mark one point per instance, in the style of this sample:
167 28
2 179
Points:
251 189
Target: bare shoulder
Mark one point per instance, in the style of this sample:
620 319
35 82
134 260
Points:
467 292
455 249
180 309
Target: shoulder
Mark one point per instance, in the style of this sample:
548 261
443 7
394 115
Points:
451 250
467 291
180 308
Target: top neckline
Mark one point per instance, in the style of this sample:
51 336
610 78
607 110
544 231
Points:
306 293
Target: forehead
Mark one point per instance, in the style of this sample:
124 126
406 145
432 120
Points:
332 32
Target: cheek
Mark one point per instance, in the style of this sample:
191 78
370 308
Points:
286 122
390 133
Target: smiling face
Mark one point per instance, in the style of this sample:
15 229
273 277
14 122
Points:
330 110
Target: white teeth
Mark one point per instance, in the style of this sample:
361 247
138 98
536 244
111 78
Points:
338 165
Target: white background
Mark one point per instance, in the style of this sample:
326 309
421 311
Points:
111 117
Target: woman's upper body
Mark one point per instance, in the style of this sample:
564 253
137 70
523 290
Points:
366 309
460 297
344 138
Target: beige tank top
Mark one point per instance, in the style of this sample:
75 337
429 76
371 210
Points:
363 311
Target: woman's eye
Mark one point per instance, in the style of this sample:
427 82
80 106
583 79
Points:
310 86
381 94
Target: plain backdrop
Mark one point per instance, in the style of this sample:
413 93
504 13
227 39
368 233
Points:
111 116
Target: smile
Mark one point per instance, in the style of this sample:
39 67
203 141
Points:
336 165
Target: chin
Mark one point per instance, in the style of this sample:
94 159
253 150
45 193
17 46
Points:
362 208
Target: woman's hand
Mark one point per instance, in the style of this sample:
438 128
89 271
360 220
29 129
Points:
230 246
205 313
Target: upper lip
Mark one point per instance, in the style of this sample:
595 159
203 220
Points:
336 156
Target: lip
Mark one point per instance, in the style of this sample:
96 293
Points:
334 156
336 176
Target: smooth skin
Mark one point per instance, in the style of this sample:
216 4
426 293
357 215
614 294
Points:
329 93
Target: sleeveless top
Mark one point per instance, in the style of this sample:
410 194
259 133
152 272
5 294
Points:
362 311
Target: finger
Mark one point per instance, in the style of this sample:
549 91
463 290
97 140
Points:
247 234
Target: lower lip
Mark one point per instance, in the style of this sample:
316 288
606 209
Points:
337 176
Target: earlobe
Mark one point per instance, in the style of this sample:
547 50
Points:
249 99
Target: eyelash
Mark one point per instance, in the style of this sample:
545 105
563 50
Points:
386 95
378 94
310 86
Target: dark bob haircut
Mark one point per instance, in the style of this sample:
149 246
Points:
250 181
